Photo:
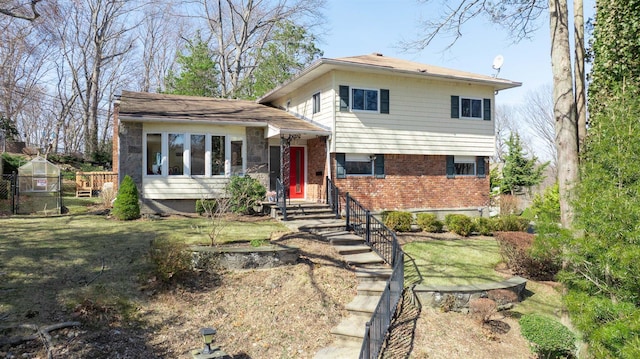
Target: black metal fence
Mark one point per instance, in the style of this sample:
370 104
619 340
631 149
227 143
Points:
8 191
384 242
333 197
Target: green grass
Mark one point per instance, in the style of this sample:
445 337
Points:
51 264
541 299
457 262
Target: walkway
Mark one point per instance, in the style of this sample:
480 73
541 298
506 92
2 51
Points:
370 270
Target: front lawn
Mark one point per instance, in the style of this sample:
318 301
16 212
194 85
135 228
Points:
456 262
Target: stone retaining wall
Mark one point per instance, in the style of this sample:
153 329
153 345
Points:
457 297
234 258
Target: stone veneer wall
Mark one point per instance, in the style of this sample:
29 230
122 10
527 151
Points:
130 157
416 182
257 155
316 168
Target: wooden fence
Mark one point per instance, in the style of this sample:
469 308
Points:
88 183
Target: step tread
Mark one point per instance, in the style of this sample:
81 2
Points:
351 326
352 248
372 286
363 303
339 352
363 258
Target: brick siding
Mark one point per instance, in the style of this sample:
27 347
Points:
414 182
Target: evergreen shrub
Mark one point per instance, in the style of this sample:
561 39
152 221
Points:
459 224
399 221
429 222
126 206
245 192
548 337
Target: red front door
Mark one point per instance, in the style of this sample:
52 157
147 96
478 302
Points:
296 177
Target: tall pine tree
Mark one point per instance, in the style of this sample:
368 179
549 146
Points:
520 172
197 75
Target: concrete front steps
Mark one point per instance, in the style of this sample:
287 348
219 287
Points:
372 275
305 211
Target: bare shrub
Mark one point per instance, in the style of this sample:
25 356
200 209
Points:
515 249
108 194
509 204
503 296
170 259
482 309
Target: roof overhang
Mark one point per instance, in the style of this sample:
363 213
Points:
326 65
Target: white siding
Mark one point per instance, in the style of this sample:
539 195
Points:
182 187
301 102
419 121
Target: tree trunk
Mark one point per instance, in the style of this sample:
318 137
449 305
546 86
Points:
578 70
564 107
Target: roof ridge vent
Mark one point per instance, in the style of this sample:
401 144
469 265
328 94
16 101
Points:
377 54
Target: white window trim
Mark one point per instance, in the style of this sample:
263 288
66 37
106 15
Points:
359 157
351 88
313 103
186 158
472 99
465 159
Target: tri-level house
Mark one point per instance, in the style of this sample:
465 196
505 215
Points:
395 134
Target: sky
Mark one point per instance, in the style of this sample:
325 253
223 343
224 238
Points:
358 27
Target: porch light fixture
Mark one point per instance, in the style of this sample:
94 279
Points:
372 157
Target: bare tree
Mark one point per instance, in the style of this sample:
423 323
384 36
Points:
520 18
24 56
94 36
241 28
578 70
537 114
25 10
504 127
159 35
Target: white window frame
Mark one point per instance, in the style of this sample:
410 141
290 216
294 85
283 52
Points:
186 157
351 101
465 160
315 101
471 99
359 157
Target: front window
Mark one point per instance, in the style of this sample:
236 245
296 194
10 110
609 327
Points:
358 164
218 155
236 157
465 166
154 154
197 155
471 108
176 154
364 100
316 102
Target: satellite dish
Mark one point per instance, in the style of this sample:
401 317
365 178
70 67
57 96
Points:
498 61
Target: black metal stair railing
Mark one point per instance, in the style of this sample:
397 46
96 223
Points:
384 242
281 198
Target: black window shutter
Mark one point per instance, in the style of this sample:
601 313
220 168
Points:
455 106
379 166
487 109
344 98
480 169
341 171
384 101
451 168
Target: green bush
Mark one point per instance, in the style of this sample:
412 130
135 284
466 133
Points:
459 224
511 223
126 206
429 222
11 163
484 226
549 338
399 221
547 206
207 206
170 259
245 192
